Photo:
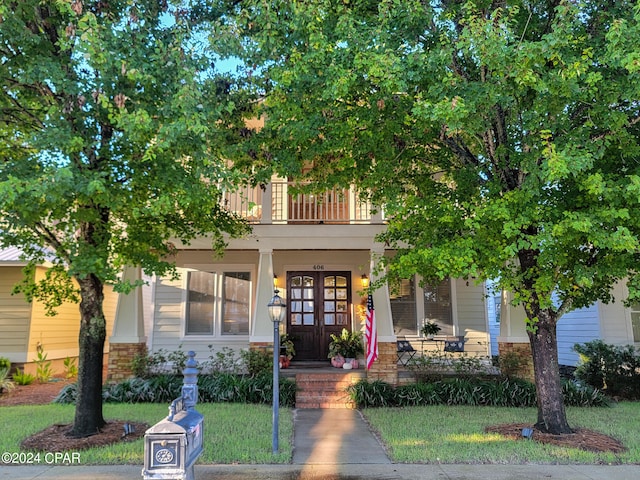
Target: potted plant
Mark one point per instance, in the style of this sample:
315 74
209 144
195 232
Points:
429 329
287 350
344 349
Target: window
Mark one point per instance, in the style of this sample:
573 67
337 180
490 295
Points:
436 302
236 306
437 306
403 308
218 301
200 303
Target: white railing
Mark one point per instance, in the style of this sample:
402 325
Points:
276 203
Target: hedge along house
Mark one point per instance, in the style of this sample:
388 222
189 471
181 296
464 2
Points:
25 327
315 249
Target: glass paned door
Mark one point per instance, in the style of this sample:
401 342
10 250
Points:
319 304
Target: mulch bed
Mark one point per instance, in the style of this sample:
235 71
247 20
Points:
56 437
582 438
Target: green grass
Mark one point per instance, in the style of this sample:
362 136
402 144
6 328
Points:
241 433
455 434
234 433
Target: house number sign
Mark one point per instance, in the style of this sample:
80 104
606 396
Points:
318 267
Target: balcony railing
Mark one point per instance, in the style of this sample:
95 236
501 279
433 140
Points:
276 204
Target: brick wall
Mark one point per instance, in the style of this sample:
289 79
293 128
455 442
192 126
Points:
385 368
521 354
120 356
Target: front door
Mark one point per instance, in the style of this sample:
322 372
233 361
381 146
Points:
318 304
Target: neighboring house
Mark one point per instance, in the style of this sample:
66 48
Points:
24 326
315 250
612 323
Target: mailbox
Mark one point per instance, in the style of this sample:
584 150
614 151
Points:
172 446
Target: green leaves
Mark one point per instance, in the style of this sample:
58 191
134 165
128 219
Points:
501 141
113 133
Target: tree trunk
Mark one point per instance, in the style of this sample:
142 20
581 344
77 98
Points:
88 417
552 416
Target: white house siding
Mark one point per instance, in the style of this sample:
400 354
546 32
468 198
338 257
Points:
577 326
15 314
169 305
472 316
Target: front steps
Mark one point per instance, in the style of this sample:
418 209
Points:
326 389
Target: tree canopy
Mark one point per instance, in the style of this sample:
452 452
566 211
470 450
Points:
501 138
113 123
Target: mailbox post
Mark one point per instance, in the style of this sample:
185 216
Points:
172 446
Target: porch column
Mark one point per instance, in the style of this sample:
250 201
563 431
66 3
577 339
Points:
514 348
261 326
128 337
385 368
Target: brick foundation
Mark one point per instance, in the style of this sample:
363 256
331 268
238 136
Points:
385 368
521 355
120 356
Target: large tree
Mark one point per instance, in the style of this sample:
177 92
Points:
112 124
501 138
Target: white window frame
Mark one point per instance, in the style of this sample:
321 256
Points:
454 305
219 271
419 303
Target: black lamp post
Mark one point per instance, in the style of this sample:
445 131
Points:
276 309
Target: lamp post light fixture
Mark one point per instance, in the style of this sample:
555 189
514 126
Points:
276 308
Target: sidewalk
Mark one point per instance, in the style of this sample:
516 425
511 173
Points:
335 444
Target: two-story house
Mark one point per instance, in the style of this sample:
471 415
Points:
316 250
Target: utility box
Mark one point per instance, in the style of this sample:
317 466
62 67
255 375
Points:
172 446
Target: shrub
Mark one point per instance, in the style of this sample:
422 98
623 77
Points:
212 388
146 365
222 361
372 394
257 362
5 383
133 390
583 395
70 367
500 392
224 387
68 394
613 369
510 364
421 393
22 378
5 363
44 371
438 365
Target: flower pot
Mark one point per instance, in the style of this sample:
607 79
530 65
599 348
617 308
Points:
284 361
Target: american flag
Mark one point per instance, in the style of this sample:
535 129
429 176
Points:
371 333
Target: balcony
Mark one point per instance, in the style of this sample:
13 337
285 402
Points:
274 204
